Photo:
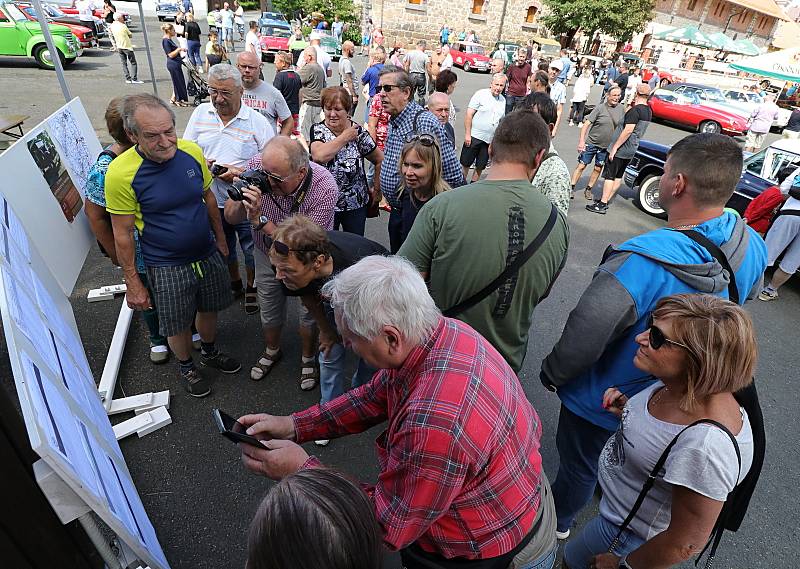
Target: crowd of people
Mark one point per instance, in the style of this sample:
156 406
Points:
656 353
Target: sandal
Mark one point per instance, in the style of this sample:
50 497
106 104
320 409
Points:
309 375
265 364
251 300
587 193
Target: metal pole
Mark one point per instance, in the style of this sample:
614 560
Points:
55 55
147 49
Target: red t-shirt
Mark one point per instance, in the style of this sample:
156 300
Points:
518 79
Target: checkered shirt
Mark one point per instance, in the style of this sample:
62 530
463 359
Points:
400 127
317 205
460 468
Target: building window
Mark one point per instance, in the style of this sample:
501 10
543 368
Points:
477 7
719 10
530 16
416 2
691 5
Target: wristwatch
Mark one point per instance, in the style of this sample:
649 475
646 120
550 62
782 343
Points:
262 221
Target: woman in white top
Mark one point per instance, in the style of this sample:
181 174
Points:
580 93
702 349
634 80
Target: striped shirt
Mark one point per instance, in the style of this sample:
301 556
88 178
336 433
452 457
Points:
231 144
460 469
317 204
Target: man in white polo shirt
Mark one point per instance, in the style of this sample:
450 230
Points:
230 133
262 96
486 108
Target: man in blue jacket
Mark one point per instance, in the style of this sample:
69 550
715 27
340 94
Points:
597 346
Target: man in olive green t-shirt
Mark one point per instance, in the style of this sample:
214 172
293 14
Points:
464 238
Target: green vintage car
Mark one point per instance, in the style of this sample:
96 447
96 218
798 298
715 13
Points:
22 37
330 44
509 49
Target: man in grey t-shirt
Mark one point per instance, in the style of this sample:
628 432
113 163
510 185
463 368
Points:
347 73
416 63
261 96
595 138
312 77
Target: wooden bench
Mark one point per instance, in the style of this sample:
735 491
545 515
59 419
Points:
8 123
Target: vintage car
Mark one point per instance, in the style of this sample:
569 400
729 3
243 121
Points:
665 76
689 111
166 11
470 56
509 49
67 7
748 101
330 44
85 35
760 171
21 37
274 37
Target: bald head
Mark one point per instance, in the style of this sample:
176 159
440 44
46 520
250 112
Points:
310 54
287 159
249 65
439 105
498 65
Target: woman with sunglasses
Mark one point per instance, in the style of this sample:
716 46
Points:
701 349
420 178
341 145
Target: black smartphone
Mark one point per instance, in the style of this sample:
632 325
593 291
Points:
233 430
218 170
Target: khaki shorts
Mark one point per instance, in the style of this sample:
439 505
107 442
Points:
755 139
272 299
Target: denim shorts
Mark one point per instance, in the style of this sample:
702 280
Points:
596 538
592 152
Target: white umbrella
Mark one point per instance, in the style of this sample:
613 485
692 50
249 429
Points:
783 65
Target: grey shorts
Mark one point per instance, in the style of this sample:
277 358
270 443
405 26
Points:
271 297
183 290
784 235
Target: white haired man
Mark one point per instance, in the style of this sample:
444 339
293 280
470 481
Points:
438 462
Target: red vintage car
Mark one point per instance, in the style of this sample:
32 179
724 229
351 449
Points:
470 56
85 35
687 111
665 77
274 38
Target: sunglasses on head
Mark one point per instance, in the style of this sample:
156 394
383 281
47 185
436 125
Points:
424 139
284 249
658 339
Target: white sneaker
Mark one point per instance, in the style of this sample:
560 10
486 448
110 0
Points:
196 341
137 82
562 535
322 442
159 354
128 81
766 295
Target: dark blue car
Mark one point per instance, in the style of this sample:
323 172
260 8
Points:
760 170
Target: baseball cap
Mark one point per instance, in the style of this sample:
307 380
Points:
557 64
643 89
314 36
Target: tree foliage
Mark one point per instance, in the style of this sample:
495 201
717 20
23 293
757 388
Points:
618 18
345 9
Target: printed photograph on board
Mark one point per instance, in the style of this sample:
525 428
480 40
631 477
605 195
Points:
46 156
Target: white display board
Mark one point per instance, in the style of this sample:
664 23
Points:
44 180
65 419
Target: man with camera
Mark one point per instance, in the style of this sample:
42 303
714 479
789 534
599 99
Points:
230 133
282 183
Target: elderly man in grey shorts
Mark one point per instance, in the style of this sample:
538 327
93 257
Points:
296 185
783 238
162 187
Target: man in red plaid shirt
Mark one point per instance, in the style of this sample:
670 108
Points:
460 480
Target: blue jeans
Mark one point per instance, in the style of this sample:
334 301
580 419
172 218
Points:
244 233
194 53
366 110
331 373
596 538
395 229
546 561
352 221
511 102
579 444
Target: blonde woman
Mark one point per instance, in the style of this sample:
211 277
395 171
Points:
420 178
175 55
701 349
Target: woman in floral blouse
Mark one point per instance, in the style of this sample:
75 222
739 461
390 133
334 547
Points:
341 145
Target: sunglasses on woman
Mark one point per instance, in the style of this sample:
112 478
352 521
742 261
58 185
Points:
424 139
658 339
284 249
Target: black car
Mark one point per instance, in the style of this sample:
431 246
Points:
759 173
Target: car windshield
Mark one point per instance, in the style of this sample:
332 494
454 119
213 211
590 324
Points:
767 163
276 32
478 49
14 13
714 95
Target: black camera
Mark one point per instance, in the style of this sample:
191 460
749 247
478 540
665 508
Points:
255 178
218 169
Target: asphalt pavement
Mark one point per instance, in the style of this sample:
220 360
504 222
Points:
194 488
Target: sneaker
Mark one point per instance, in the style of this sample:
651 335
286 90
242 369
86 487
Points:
322 442
220 361
571 123
587 193
598 207
196 343
196 385
562 535
766 295
159 354
128 81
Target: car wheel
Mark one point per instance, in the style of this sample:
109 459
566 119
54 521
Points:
664 82
161 18
709 127
467 66
42 56
647 197
69 61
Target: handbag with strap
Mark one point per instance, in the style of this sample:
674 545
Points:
716 533
510 270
